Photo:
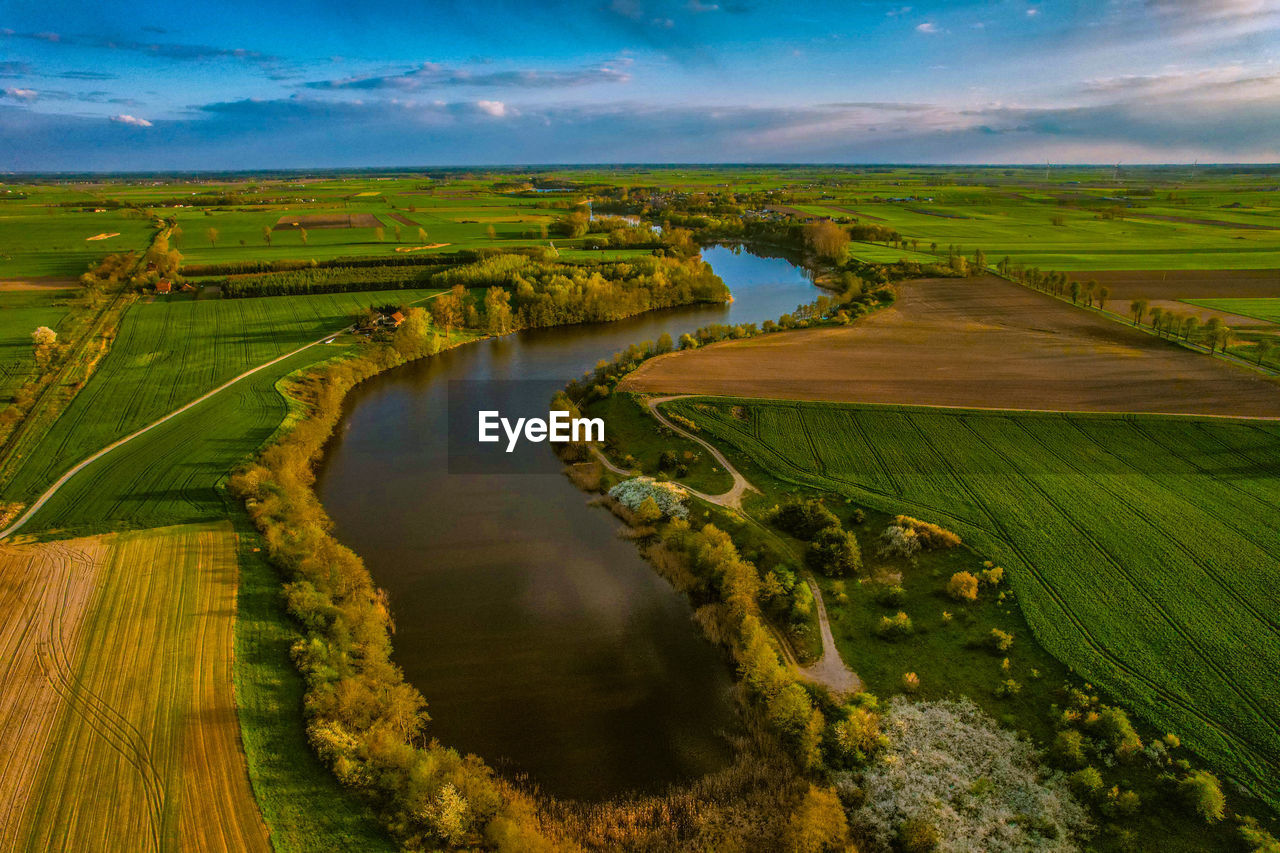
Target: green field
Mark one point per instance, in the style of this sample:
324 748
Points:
21 312
1261 309
168 353
1142 548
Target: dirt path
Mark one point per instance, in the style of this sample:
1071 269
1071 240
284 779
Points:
829 670
731 499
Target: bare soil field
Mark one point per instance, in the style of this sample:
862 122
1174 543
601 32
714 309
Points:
116 702
403 220
1165 289
292 222
980 343
1184 284
1219 223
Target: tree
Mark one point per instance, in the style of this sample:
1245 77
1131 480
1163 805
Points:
266 234
379 234
1156 313
664 344
818 823
1202 793
447 309
648 512
497 311
1138 308
1103 293
1263 348
827 239
302 232
422 234
43 336
212 234
1075 292
917 835
1222 339
413 334
963 586
834 552
491 232
399 239
1089 287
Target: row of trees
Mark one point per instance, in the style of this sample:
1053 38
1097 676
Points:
363 719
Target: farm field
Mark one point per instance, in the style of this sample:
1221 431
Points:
22 312
984 343
49 243
1266 308
1140 547
172 350
118 711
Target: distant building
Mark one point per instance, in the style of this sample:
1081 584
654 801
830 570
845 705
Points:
397 318
164 286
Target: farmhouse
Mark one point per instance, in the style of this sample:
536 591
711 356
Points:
164 286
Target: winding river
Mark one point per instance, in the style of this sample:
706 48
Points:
541 640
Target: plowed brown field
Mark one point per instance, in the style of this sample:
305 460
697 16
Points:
116 704
982 343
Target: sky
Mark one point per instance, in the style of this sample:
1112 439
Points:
151 86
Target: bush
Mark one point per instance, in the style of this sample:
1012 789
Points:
891 596
898 541
1202 793
917 835
803 519
894 627
834 552
963 586
992 576
910 682
1068 750
931 536
857 736
818 823
936 753
1001 641
1087 783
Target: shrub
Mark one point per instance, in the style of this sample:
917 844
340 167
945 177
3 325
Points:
898 541
910 682
1008 687
803 519
894 627
1001 641
1112 726
1120 803
992 576
633 493
931 535
963 586
857 736
891 596
1202 793
936 752
917 835
834 552
1087 783
1068 749
818 824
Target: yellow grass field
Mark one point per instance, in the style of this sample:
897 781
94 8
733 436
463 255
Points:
116 707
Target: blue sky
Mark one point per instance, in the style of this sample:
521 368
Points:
241 85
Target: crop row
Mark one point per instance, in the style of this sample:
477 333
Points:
1146 545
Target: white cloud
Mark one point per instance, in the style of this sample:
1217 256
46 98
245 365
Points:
132 121
927 27
1031 13
497 109
21 94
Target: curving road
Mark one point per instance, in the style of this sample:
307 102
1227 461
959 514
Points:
829 670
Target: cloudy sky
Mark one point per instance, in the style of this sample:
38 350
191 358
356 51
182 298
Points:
146 85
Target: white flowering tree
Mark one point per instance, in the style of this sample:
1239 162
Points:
634 492
44 336
979 788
